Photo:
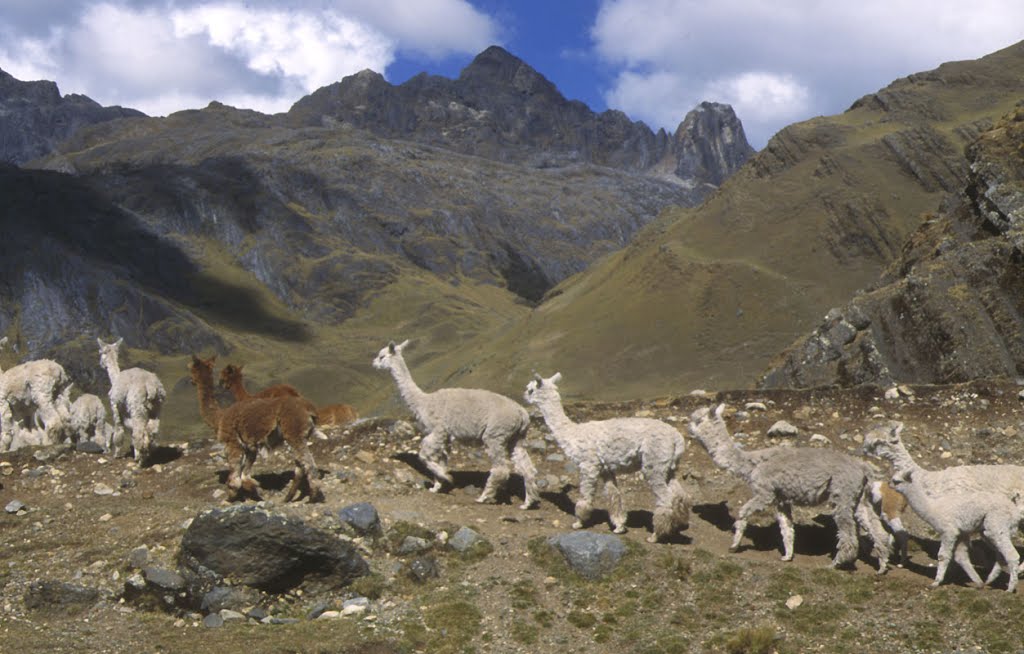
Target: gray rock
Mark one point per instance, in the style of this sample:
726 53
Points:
213 621
88 447
413 545
45 595
317 610
138 557
355 601
231 616
590 555
423 569
233 598
267 551
464 539
362 517
14 506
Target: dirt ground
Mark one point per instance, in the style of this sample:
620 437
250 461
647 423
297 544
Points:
84 514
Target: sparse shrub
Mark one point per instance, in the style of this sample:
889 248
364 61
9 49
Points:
370 586
752 640
581 619
524 633
523 595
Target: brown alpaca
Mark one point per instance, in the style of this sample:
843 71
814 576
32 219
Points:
246 426
332 415
231 379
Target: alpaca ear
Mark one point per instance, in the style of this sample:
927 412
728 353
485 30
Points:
391 347
895 431
557 377
99 341
537 378
401 346
119 341
719 410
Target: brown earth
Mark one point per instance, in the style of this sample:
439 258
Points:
690 595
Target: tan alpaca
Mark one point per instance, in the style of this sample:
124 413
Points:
331 415
247 426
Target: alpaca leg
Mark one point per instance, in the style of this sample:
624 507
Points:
523 464
305 472
500 469
7 428
962 556
784 516
946 546
759 502
434 454
847 543
616 506
671 508
140 437
901 539
869 521
588 491
1007 556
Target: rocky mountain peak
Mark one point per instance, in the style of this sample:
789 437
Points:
34 117
710 143
495 66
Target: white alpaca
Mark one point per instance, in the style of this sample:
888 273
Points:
780 477
603 448
34 403
890 504
465 414
89 421
136 397
1005 481
957 516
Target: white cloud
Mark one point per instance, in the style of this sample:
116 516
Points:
260 54
778 61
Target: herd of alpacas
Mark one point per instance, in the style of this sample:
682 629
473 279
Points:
957 502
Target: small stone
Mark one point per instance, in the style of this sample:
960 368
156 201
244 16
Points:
755 406
365 457
905 390
356 601
106 517
354 609
413 545
213 621
818 438
138 557
783 428
102 489
14 506
794 602
329 615
464 539
231 616
946 455
892 393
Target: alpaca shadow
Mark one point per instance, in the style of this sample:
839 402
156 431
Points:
982 556
268 481
161 454
466 478
809 540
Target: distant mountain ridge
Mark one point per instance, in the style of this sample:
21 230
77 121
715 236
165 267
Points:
34 117
297 242
501 108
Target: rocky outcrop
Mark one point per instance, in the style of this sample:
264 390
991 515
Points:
501 108
34 117
949 309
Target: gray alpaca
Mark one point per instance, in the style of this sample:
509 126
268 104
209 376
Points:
468 414
603 448
780 477
957 516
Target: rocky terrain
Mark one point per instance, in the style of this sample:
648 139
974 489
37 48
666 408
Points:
100 555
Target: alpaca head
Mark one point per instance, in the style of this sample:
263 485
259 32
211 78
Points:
388 354
230 375
200 371
705 423
541 389
883 439
109 351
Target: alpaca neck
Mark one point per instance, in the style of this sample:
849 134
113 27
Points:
208 407
554 415
726 453
237 389
113 369
902 462
413 395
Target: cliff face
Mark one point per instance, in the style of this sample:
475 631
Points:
950 308
501 108
34 117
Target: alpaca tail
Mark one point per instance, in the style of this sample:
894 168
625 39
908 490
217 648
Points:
675 515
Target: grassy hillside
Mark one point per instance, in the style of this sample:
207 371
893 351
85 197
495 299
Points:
705 297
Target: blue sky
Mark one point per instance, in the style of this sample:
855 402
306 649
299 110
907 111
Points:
775 61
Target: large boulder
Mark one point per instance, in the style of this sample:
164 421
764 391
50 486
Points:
267 551
589 555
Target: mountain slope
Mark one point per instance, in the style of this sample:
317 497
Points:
706 297
951 307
